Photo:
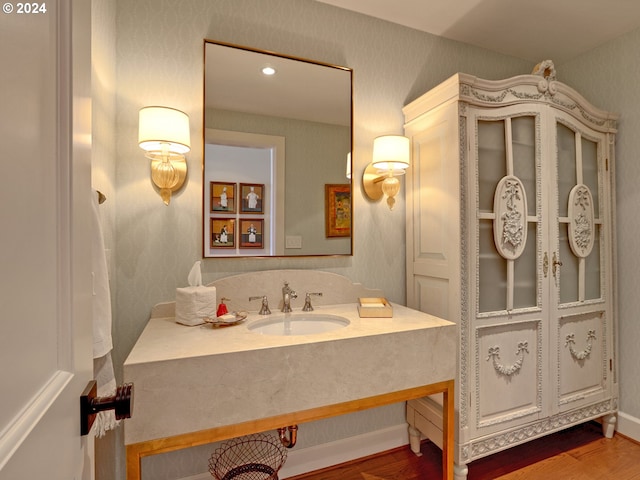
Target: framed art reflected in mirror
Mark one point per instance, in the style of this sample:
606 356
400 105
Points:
337 210
251 232
223 197
251 195
223 233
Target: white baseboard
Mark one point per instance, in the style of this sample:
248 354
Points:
305 460
340 451
199 476
629 426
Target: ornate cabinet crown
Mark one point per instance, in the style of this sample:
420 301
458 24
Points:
510 211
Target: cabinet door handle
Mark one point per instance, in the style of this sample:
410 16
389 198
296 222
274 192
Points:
556 263
545 264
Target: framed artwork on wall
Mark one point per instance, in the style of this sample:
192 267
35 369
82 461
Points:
251 232
223 197
337 210
223 232
251 198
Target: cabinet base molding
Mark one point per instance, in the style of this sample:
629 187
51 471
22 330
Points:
553 424
424 416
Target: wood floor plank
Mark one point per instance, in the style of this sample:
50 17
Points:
562 466
578 453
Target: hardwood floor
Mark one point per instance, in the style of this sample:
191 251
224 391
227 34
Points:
578 453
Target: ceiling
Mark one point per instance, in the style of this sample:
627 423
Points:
534 30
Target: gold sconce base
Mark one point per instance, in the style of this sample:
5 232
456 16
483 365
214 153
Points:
180 166
372 182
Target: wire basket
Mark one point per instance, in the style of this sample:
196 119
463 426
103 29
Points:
253 457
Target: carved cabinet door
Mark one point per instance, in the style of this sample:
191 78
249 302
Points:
580 266
508 231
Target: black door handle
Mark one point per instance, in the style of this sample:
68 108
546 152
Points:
91 404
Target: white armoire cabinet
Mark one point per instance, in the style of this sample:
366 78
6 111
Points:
510 233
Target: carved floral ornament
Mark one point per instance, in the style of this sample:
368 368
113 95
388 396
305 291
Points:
547 84
546 89
509 224
571 341
582 223
494 354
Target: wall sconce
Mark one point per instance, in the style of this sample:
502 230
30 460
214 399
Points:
349 166
163 133
391 155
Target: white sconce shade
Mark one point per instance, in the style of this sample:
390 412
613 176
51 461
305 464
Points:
349 165
158 125
163 133
391 152
391 157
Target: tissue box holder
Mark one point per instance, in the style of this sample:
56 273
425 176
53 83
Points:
195 303
374 308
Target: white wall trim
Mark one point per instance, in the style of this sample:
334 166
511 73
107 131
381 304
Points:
629 426
333 453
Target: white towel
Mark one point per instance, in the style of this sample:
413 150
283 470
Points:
102 339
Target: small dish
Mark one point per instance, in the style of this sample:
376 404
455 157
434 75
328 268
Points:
230 319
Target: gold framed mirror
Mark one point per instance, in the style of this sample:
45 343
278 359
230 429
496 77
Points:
287 134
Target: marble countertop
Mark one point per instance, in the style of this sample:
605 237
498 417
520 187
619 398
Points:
163 339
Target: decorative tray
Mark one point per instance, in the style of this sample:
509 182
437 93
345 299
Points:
227 320
374 308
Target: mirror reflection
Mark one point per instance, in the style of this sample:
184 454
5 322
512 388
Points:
276 153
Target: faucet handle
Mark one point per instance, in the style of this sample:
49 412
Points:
264 309
307 301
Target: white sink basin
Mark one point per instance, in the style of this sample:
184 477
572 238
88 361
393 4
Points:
298 324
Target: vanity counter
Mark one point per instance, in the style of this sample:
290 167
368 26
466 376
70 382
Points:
196 385
165 340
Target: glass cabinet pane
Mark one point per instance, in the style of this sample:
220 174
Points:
566 166
569 269
590 171
525 273
491 161
523 132
592 273
493 272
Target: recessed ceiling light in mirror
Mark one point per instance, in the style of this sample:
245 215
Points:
268 71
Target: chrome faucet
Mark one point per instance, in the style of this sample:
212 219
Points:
287 295
264 309
307 301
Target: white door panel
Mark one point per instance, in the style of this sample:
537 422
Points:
45 331
582 368
509 374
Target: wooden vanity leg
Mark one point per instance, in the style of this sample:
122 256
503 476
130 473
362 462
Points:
448 431
134 461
